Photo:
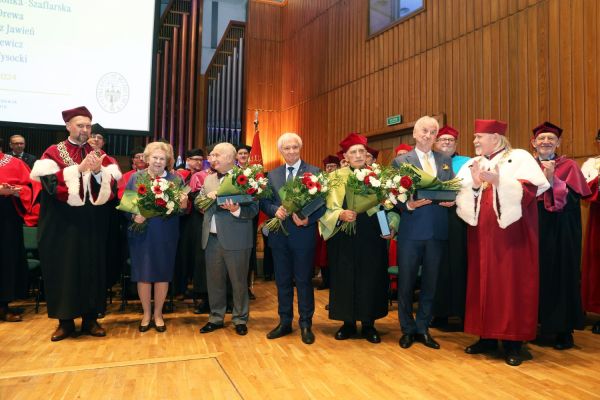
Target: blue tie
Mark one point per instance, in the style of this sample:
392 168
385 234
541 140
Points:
290 176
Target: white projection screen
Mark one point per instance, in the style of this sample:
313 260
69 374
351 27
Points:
61 54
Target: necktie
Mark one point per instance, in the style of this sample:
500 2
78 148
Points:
427 165
220 175
290 176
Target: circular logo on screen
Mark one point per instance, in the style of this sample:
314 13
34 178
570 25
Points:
112 92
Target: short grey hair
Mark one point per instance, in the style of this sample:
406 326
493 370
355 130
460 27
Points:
287 137
226 148
426 120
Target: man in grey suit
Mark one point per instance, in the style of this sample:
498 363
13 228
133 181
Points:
422 237
227 240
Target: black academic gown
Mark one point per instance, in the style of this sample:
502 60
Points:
358 277
13 265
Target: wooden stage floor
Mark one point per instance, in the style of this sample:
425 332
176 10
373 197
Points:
184 364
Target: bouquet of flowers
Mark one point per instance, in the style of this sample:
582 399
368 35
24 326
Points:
431 185
306 191
364 190
400 183
242 185
153 197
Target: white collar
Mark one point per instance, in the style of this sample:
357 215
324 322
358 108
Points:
421 154
296 165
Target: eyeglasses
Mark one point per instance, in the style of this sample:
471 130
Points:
196 159
449 140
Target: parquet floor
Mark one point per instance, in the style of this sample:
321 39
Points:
184 364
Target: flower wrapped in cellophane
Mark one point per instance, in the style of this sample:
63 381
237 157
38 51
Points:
302 195
242 185
400 184
153 197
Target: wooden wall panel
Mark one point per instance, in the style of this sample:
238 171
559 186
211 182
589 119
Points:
313 66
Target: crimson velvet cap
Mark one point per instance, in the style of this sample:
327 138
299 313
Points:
331 160
403 146
351 140
547 127
75 112
490 126
448 130
373 152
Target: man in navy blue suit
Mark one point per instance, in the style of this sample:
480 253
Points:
422 237
293 254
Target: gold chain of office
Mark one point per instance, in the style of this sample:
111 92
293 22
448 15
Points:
5 160
64 154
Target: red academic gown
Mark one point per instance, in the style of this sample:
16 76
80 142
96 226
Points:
590 274
502 237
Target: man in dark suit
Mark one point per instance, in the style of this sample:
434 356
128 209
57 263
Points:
422 236
227 240
293 254
17 147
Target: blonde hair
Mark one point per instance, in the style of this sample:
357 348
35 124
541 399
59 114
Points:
426 120
162 146
286 137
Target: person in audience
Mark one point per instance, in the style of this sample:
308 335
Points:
227 240
402 149
452 279
357 262
293 253
17 195
498 202
77 184
559 213
590 279
137 164
422 238
17 147
152 251
243 155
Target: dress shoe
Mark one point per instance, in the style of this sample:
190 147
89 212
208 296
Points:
241 329
144 328
160 328
482 346
92 328
251 295
64 330
308 337
345 332
209 327
512 356
596 328
564 341
406 340
279 331
202 308
371 334
427 340
10 316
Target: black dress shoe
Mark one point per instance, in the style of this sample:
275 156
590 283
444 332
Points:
564 341
251 295
279 331
209 327
596 328
345 332
92 328
64 330
482 346
371 334
241 329
406 340
512 356
202 308
160 328
308 337
427 340
144 328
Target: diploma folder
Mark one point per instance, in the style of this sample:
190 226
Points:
310 207
235 198
435 195
383 223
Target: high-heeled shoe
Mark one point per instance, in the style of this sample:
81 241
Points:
144 328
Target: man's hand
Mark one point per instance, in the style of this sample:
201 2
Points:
9 190
347 216
183 201
95 162
491 177
139 219
298 221
475 174
390 236
230 206
281 213
212 195
447 203
549 167
412 204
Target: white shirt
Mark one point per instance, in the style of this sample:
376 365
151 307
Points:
296 167
422 156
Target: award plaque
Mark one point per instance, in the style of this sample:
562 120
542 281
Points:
235 198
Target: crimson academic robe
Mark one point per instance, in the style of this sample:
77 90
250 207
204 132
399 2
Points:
590 274
74 229
559 213
502 237
13 265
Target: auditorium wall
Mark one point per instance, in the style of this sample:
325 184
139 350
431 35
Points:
313 69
